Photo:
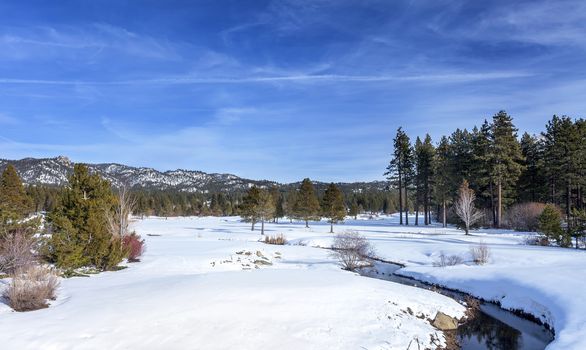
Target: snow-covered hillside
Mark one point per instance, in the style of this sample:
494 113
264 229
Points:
55 171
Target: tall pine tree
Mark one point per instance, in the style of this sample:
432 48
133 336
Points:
306 205
333 207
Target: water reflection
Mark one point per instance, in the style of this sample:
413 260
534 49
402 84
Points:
492 328
486 332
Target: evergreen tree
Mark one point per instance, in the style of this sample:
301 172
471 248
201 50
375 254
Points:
278 201
333 207
424 154
354 209
563 161
532 182
265 209
306 205
400 171
506 160
15 204
443 177
480 178
249 209
550 224
80 235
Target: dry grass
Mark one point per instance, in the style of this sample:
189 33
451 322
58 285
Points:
31 288
277 239
447 260
480 253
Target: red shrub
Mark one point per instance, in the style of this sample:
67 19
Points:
524 216
134 245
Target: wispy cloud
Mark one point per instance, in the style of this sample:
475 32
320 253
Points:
325 78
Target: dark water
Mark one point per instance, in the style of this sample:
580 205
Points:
493 328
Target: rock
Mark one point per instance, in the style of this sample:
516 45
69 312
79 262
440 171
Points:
444 322
262 262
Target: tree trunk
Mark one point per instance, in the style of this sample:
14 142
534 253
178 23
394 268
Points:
492 208
332 227
400 199
467 229
417 215
262 227
500 204
253 222
568 202
306 223
406 208
444 213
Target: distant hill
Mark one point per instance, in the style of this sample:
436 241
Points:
55 171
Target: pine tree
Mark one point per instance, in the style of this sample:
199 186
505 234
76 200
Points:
563 161
400 171
354 209
480 178
265 209
506 160
550 224
278 202
80 235
424 154
443 177
532 182
15 204
333 207
306 205
249 208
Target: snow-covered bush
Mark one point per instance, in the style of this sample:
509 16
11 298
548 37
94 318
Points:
16 252
31 288
352 250
447 260
134 246
480 253
524 216
277 239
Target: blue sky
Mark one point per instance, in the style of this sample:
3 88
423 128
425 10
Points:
277 89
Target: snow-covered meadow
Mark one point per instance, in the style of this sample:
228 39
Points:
209 283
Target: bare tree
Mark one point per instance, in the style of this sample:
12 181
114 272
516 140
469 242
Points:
119 220
465 208
352 250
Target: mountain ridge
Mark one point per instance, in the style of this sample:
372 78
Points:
55 172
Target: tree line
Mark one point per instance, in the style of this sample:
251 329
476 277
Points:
260 205
501 168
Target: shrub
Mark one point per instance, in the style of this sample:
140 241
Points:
31 288
480 253
277 240
550 224
447 260
352 250
16 252
524 216
538 240
134 246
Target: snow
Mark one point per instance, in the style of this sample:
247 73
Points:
198 286
546 282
